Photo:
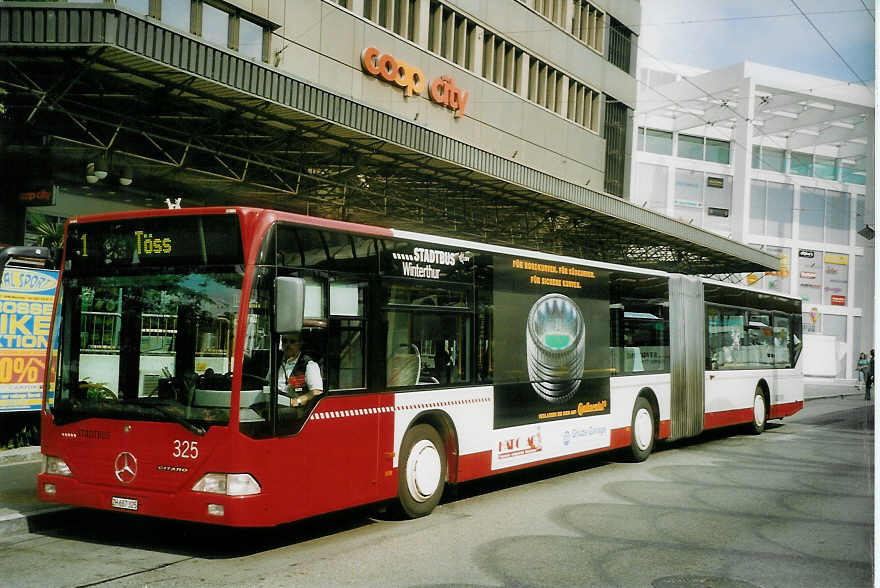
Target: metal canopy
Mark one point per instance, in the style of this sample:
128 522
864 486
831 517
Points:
202 123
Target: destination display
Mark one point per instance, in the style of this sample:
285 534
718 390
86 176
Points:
154 242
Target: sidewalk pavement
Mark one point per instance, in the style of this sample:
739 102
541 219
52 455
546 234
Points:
21 510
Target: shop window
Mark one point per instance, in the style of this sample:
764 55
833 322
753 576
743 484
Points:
836 279
779 281
810 276
811 321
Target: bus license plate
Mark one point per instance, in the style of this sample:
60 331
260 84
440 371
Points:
125 503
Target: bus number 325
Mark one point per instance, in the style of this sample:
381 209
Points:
186 449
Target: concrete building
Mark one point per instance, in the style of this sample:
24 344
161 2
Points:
779 160
502 121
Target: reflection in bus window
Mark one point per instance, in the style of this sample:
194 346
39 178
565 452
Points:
151 347
726 336
639 324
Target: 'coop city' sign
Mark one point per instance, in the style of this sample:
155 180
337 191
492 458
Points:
442 90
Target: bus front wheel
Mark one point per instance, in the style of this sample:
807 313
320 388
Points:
642 430
421 471
759 412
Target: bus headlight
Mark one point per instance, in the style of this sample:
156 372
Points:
228 484
54 465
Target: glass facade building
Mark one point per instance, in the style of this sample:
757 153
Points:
747 153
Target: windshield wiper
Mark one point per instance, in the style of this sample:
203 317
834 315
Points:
176 417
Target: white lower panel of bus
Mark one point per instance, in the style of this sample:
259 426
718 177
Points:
525 444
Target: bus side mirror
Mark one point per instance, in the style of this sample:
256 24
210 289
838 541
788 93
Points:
289 304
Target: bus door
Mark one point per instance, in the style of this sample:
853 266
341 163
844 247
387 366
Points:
687 355
336 430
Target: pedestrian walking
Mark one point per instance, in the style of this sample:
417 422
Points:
869 377
861 367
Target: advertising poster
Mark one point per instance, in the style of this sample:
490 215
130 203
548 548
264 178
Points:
553 320
26 297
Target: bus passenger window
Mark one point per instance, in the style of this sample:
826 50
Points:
427 348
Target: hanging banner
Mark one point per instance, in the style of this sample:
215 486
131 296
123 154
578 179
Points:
26 297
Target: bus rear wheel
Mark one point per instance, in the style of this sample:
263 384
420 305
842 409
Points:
642 430
421 471
759 412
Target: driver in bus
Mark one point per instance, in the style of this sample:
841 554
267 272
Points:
299 376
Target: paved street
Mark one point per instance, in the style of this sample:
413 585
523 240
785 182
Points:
792 507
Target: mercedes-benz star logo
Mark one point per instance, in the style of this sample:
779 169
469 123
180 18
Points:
126 467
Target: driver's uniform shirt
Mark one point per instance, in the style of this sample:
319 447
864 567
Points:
296 377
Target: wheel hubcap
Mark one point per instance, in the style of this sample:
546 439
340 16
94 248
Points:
759 410
643 429
423 470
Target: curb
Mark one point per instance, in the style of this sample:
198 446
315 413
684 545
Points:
45 518
20 455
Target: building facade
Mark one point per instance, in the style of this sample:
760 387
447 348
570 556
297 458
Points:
546 84
779 160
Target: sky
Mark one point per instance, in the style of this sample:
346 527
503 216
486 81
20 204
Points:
711 34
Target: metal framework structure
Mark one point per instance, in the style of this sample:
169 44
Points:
201 122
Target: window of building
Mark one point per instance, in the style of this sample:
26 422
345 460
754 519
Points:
177 14
768 158
215 25
703 199
812 214
620 45
250 39
837 212
852 171
139 6
823 167
658 142
583 105
718 151
690 147
588 25
780 209
758 208
450 34
502 64
652 182
801 164
835 325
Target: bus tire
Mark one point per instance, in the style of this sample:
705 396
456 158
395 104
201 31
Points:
759 412
421 471
642 430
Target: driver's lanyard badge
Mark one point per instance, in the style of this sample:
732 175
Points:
295 382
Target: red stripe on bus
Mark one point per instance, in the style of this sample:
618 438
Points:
778 411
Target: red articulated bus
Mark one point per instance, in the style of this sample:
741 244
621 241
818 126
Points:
431 361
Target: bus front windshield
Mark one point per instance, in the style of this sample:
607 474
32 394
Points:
154 347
